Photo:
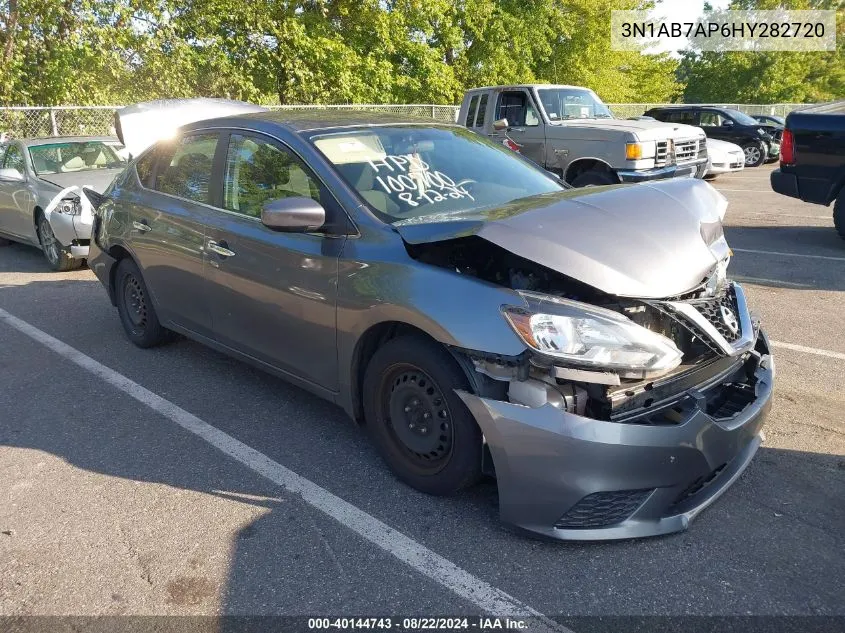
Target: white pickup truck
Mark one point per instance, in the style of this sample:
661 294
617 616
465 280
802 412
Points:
569 131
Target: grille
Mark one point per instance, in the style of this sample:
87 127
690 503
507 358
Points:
711 309
732 399
686 150
697 486
660 155
602 509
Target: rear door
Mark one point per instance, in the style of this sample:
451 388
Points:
272 294
16 201
525 128
166 226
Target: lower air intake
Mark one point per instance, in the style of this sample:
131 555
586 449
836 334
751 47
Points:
603 509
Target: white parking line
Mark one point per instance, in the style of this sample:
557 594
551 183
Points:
775 214
782 254
809 350
749 190
476 591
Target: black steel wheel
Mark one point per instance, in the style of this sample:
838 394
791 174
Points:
135 307
417 422
839 214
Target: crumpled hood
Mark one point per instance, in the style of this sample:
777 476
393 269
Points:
645 240
96 179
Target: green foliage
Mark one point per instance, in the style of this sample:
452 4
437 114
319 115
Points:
768 77
368 51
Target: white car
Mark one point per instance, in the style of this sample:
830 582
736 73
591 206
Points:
723 158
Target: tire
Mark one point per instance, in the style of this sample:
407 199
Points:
755 153
839 214
413 380
594 178
57 256
137 313
710 177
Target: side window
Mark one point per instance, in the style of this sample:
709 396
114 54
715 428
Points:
145 165
473 104
710 119
259 171
482 108
515 106
188 173
14 159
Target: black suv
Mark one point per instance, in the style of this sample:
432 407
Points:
760 142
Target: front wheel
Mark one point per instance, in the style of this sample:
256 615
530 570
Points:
419 425
755 153
135 307
839 214
56 255
594 178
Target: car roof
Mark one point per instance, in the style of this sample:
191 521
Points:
49 140
310 119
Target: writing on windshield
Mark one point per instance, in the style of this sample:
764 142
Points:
562 104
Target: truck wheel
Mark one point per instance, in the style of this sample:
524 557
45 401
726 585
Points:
594 178
839 214
419 425
755 153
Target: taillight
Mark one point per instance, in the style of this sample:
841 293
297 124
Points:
787 148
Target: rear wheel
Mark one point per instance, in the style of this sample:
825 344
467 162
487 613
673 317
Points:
594 178
839 214
57 256
755 153
417 422
135 307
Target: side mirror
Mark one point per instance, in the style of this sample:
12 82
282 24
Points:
11 174
501 124
296 215
727 123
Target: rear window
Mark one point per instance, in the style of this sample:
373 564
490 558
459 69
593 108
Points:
482 108
473 104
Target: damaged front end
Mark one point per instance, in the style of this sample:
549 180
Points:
625 417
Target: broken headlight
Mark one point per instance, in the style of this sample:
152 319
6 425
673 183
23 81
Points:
69 206
590 337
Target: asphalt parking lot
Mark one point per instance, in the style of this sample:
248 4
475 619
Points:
127 485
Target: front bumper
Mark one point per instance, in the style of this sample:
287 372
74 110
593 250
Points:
694 169
734 164
570 477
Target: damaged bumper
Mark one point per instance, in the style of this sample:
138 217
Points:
570 477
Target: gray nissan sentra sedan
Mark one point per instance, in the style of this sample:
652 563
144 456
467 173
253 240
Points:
478 316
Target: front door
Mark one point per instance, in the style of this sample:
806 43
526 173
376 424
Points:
272 294
524 128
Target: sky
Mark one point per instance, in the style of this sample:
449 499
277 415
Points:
681 11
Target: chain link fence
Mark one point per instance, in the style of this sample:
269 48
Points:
29 122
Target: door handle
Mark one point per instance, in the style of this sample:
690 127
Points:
516 129
220 248
141 226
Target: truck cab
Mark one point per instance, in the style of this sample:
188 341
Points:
568 130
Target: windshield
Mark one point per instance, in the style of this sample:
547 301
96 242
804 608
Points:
412 172
561 104
60 158
741 117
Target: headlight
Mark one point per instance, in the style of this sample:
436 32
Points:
591 337
69 206
637 151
